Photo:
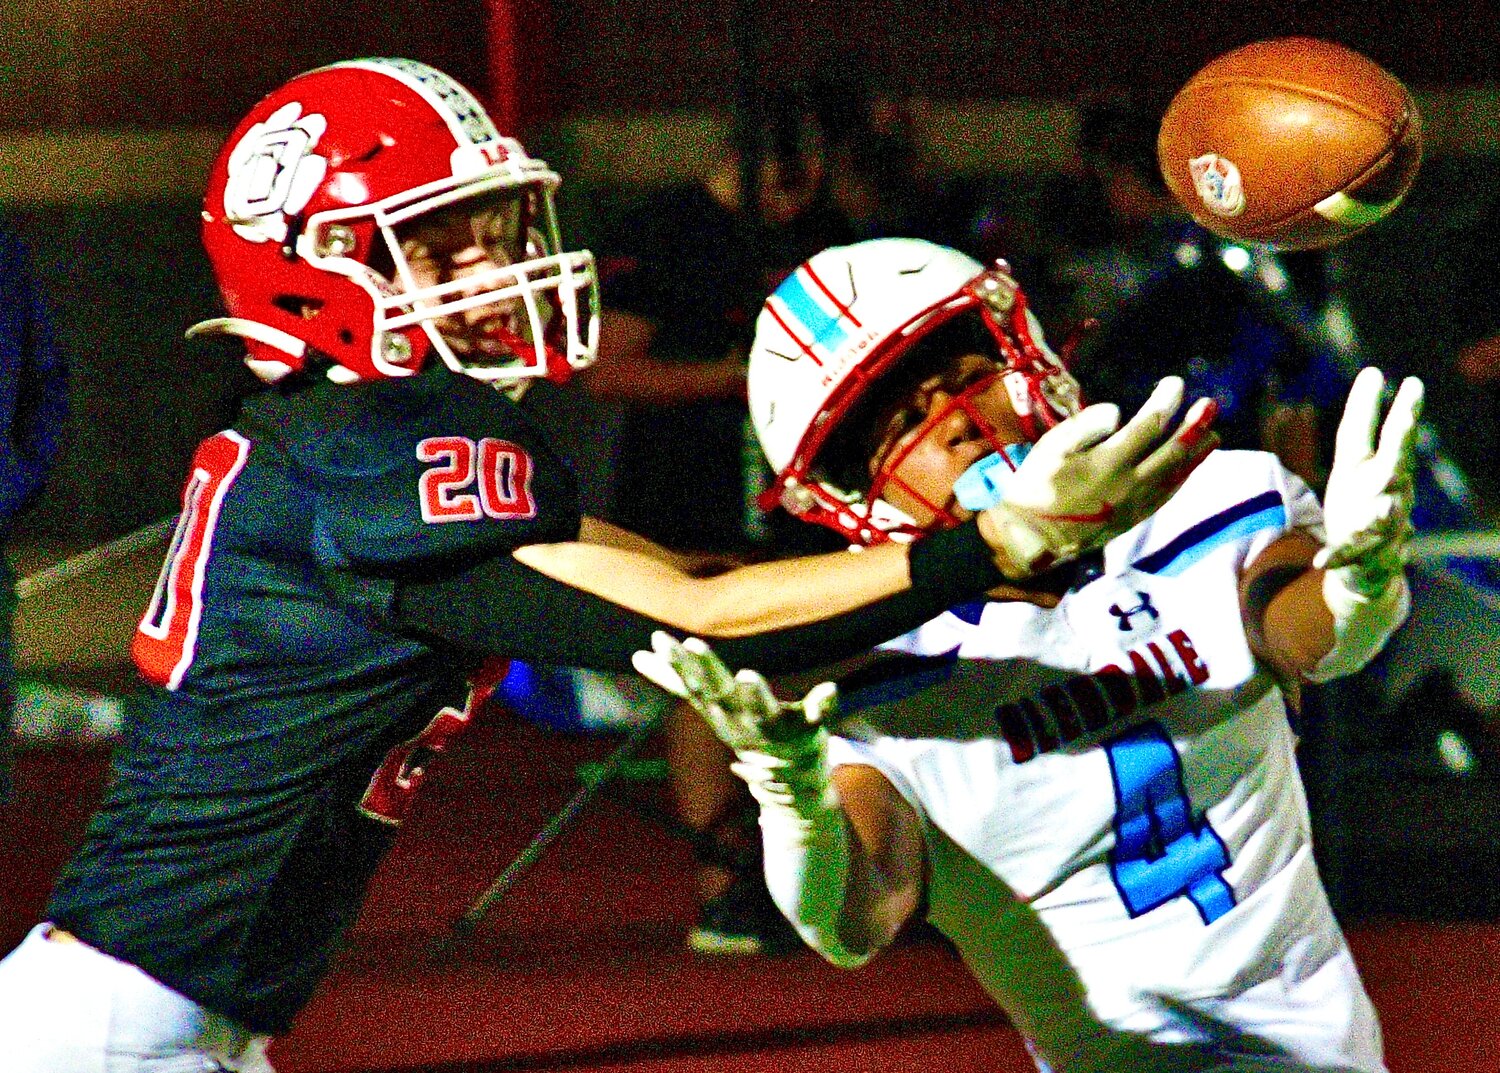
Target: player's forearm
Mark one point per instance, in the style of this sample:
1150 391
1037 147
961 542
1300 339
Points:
1318 631
842 849
817 870
1307 624
935 573
887 857
751 599
504 608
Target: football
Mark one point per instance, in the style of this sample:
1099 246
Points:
1295 142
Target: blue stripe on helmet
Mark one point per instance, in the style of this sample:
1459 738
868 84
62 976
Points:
826 329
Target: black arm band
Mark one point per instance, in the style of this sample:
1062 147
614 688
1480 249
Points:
954 565
501 607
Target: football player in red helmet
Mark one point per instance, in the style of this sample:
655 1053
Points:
360 552
319 222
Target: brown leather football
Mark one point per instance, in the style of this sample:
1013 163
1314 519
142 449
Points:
1294 142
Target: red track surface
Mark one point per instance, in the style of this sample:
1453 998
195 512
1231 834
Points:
581 966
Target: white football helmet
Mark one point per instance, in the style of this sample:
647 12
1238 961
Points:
845 318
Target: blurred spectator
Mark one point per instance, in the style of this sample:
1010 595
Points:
683 281
1422 290
1239 323
33 404
874 174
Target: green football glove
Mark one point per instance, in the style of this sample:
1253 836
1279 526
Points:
740 708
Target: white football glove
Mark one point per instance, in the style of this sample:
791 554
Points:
741 709
781 751
1368 502
1367 514
1084 483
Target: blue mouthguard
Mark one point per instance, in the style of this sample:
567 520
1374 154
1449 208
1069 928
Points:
983 484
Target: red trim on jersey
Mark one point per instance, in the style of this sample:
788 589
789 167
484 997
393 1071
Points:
167 635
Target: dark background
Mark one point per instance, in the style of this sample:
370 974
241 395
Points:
110 111
188 62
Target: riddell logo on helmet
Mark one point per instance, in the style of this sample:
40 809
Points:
273 172
852 353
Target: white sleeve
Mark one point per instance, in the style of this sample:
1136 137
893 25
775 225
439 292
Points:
1303 510
805 837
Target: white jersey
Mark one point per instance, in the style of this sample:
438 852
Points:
1117 836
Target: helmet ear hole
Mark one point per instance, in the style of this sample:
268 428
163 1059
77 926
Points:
298 305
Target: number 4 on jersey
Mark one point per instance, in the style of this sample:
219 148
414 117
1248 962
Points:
1161 850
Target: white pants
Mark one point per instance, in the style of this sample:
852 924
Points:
67 1008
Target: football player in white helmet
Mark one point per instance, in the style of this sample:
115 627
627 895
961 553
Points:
1094 793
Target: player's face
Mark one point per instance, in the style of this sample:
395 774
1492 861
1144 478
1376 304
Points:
927 440
465 242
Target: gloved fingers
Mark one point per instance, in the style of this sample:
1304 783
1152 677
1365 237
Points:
821 703
1131 443
753 701
1398 435
701 670
656 664
1077 433
1157 479
1355 440
1194 440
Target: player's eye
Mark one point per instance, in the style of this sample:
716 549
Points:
498 229
502 226
417 254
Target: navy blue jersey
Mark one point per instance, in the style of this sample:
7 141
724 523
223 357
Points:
258 789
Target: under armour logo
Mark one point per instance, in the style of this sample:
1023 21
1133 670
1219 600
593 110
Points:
1144 607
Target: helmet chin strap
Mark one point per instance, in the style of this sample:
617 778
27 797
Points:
250 329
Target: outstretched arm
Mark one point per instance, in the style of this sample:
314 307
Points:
502 607
1318 612
1084 482
592 605
843 850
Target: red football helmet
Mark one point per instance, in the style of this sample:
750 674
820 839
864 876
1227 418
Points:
301 225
